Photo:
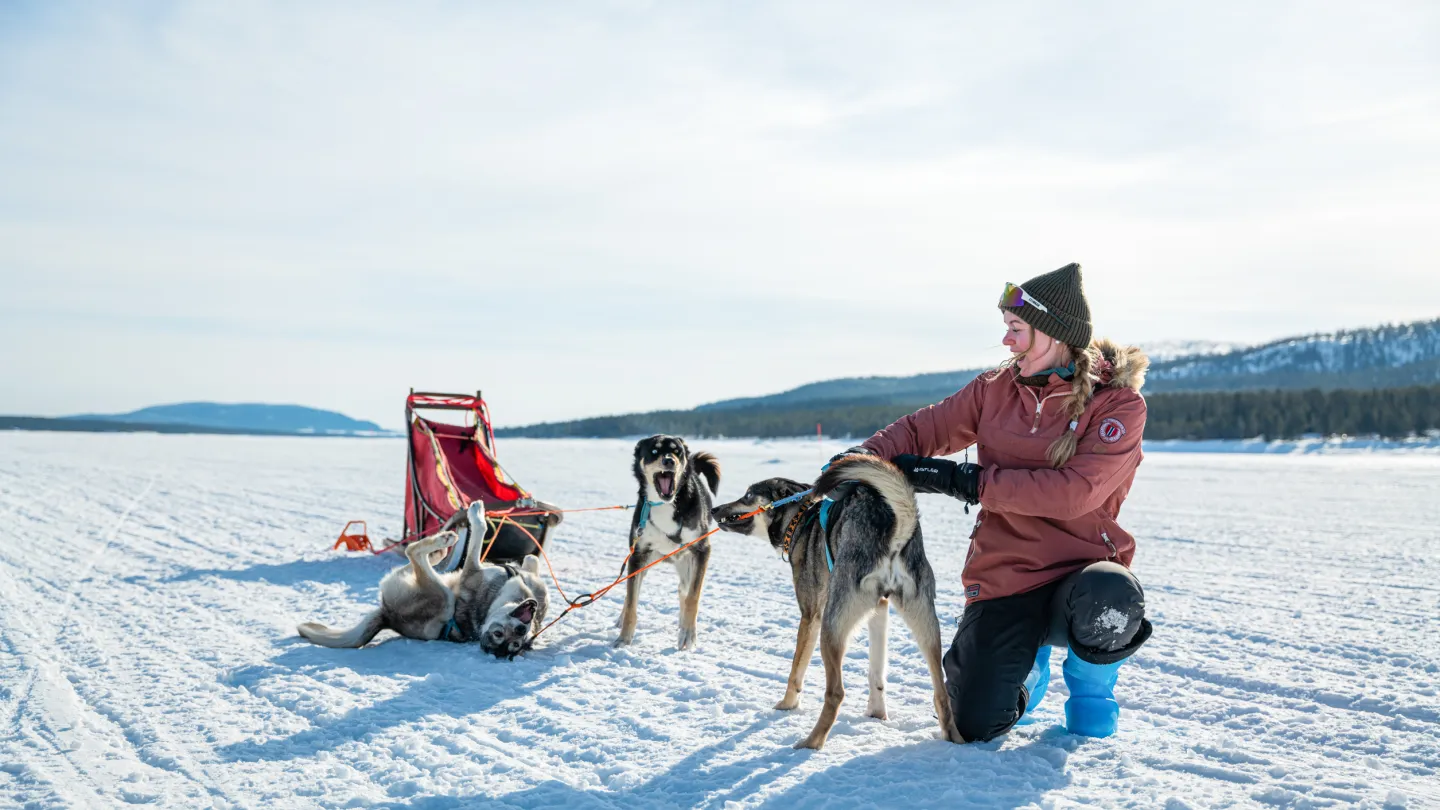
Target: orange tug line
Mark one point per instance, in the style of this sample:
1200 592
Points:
530 512
585 598
505 514
590 598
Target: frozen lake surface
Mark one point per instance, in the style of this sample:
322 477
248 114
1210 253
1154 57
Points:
150 585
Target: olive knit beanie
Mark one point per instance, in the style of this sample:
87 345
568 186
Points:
1066 315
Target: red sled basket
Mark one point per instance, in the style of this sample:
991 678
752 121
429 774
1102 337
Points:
450 466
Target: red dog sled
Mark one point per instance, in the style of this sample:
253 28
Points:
449 466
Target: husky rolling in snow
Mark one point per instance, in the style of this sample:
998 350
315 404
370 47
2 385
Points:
500 606
673 509
874 543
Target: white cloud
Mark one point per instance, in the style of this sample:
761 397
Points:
600 208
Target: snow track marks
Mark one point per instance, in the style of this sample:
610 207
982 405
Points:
149 587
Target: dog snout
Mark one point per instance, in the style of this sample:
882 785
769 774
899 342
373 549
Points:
727 513
667 463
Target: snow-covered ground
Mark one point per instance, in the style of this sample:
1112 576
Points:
149 588
1346 445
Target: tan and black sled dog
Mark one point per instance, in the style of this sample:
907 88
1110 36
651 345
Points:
873 542
500 606
676 491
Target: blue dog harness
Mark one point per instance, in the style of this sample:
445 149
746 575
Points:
820 510
645 507
836 495
825 505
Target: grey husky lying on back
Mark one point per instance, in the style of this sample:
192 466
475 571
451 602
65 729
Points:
500 606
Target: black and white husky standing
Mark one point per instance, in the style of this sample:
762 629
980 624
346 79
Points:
676 493
500 606
874 543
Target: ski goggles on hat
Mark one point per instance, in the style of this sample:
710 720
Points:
1014 297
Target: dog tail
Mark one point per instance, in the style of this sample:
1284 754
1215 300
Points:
708 466
887 480
357 636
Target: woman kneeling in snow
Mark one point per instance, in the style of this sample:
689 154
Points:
1058 430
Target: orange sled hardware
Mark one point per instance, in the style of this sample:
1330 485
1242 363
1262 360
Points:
354 541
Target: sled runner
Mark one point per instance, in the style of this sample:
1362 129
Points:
448 466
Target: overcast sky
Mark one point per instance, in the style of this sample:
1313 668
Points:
592 208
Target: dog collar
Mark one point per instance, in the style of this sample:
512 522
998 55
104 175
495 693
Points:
805 507
448 634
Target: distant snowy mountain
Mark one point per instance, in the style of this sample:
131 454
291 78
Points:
873 390
1378 357
1165 351
245 416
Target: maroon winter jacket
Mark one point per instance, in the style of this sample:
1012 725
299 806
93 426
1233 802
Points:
1037 524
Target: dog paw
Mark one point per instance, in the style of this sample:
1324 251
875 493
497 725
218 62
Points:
952 734
788 704
814 742
877 712
686 640
437 542
623 641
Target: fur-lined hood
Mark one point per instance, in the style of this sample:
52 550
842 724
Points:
1121 366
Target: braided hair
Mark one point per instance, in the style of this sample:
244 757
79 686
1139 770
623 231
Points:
1082 388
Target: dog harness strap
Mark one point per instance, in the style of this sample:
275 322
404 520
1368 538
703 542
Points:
825 532
825 513
799 496
840 491
645 513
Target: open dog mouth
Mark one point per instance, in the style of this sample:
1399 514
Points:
526 611
735 523
665 484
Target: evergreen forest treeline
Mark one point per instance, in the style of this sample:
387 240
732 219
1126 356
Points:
1390 413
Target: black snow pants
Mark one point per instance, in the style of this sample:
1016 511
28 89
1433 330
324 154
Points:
1098 612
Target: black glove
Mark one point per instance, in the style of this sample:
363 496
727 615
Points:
857 450
941 476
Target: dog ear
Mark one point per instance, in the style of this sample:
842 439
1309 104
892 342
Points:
531 563
684 448
789 487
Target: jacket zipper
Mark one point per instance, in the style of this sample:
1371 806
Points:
1040 406
1114 553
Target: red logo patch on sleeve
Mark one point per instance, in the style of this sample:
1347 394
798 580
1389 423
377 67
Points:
1112 430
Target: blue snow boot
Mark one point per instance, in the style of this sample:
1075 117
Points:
1035 684
1091 710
